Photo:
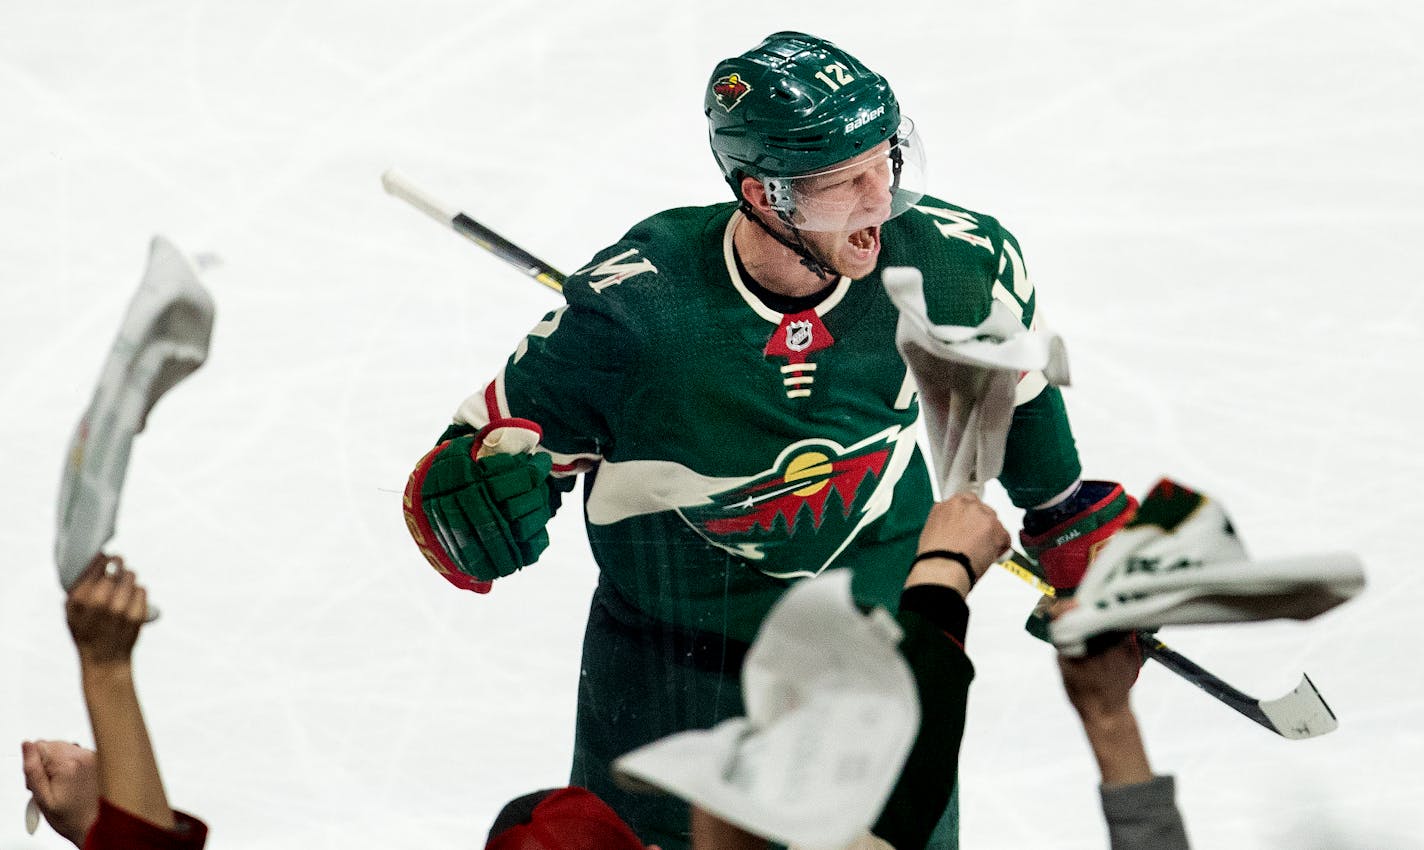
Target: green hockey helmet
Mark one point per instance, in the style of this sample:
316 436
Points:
797 107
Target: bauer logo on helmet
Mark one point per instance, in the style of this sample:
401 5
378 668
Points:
852 126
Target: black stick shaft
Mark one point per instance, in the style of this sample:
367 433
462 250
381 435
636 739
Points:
401 186
508 251
1216 687
1224 693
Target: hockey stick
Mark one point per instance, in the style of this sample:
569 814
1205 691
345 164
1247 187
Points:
1302 713
398 184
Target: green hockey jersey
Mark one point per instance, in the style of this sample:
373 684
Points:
730 449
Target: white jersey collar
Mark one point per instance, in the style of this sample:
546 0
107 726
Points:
728 254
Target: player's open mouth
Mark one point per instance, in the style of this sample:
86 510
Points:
865 241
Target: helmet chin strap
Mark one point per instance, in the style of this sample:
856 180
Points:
798 247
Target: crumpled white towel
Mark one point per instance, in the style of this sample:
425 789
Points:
967 378
832 713
163 338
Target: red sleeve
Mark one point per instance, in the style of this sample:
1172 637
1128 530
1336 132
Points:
116 829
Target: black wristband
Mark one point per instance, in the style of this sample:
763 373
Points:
940 604
958 557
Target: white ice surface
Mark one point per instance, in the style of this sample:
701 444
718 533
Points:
1221 204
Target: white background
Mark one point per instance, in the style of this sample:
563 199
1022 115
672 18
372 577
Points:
1220 205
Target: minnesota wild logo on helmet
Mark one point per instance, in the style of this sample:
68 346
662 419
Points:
794 518
730 90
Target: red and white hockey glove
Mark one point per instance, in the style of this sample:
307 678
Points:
1064 538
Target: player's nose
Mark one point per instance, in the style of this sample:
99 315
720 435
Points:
875 195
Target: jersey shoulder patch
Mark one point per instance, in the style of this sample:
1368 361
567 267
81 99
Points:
957 250
956 224
973 257
613 266
655 251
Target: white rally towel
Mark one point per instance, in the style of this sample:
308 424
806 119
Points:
832 713
967 378
1181 562
163 339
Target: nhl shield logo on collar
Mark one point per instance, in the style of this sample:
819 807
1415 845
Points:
730 90
799 335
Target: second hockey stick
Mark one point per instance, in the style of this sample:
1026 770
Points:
1302 713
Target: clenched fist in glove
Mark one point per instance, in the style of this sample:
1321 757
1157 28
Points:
478 516
1064 538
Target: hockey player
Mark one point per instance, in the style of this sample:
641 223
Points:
726 379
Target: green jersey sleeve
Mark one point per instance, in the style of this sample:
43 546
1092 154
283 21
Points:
977 261
568 374
1041 459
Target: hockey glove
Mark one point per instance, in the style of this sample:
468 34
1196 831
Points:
478 520
1064 538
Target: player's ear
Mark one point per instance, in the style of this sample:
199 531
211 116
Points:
754 193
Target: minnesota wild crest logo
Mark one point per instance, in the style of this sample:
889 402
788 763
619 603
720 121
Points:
796 517
730 90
